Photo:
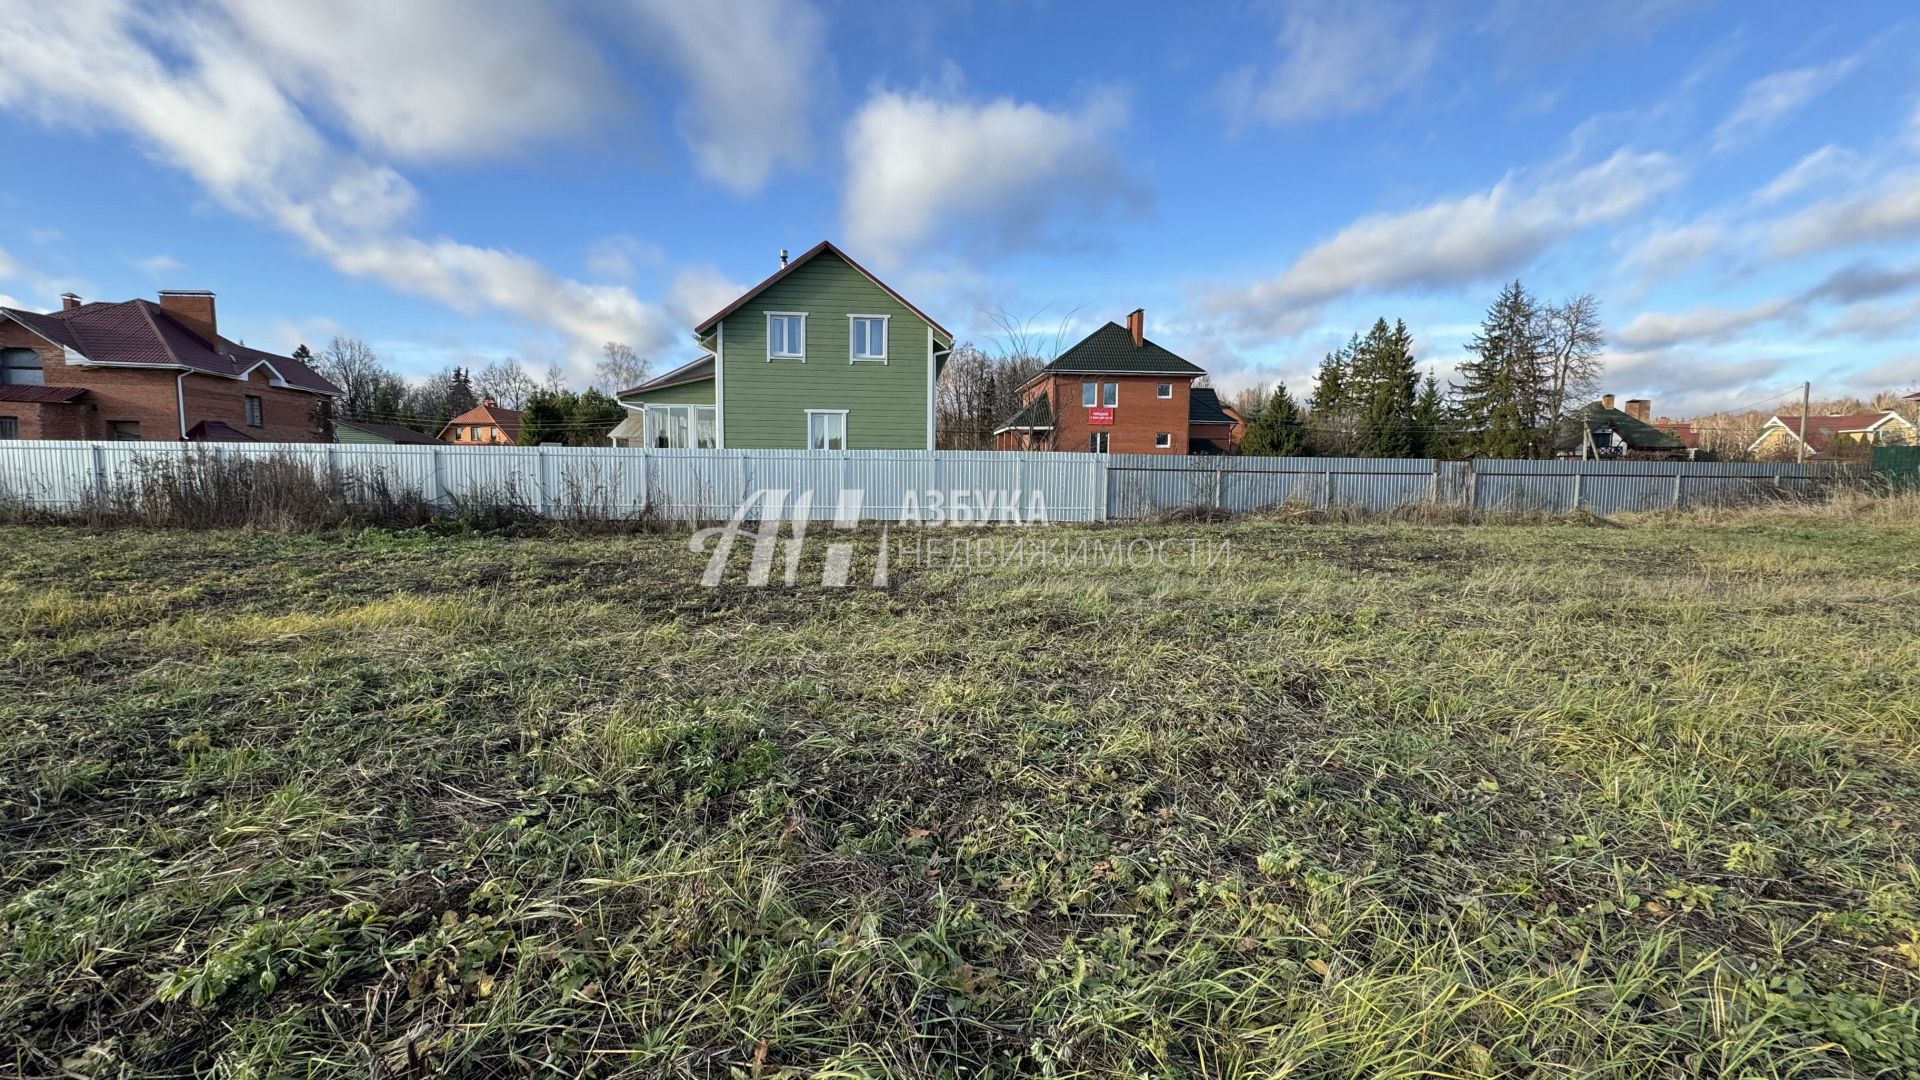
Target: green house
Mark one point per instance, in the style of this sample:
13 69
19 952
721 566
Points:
820 356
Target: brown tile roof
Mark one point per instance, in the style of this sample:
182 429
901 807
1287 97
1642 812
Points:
1682 430
141 333
507 420
795 264
1822 430
46 395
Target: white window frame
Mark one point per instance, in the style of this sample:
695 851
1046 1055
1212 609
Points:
1163 391
1110 395
653 415
1089 390
841 413
1163 440
886 334
1099 442
802 354
256 410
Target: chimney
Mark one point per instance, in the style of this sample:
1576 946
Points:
783 256
1137 326
193 307
69 301
490 403
1606 401
1640 409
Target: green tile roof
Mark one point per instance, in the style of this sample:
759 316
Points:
1036 415
1203 407
1110 351
1570 434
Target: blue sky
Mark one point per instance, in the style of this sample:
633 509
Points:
464 181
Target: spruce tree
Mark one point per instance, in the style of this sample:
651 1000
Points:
1277 431
1429 421
1381 385
1332 401
1502 390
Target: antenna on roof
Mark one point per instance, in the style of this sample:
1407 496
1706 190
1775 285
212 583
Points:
783 256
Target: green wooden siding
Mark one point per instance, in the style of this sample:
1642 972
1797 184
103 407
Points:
767 401
688 393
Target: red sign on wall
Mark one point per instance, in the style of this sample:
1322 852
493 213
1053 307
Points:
1100 417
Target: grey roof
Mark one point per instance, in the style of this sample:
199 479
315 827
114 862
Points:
1110 351
1036 415
391 432
698 370
1203 407
1570 434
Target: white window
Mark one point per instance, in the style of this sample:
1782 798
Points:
1089 394
786 335
1110 394
1164 390
1097 443
1163 440
680 427
826 430
255 413
869 337
20 367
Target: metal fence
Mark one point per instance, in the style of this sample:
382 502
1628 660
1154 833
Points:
977 485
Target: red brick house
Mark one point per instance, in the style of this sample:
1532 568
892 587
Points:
137 370
1114 392
486 424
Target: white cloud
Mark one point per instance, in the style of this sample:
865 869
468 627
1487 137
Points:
431 79
1687 383
1453 241
617 257
8 266
699 291
1824 164
1875 322
1004 173
1654 329
1889 212
159 265
8 301
1335 60
191 94
753 67
1770 99
1672 250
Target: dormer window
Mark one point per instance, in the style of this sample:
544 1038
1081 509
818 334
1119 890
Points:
787 335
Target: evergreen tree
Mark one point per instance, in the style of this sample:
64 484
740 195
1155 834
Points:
1332 401
460 396
1277 431
1381 385
1430 420
1503 390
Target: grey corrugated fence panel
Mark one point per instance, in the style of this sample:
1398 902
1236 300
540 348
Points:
1611 487
1142 485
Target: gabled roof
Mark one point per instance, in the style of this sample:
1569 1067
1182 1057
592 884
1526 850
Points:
45 395
805 257
217 431
699 370
390 432
140 333
1571 432
1822 430
507 420
1110 351
1036 415
1683 430
1203 407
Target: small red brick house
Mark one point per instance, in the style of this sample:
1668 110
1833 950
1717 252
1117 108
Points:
138 370
1114 392
486 424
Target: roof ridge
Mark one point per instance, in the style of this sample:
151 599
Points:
165 346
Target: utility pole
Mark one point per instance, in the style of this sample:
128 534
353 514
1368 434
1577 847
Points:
1806 400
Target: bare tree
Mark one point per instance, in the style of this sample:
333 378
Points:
1571 338
1249 400
352 365
555 381
619 368
978 392
506 382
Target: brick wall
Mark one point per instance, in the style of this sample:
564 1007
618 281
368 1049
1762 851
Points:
150 398
44 420
1139 415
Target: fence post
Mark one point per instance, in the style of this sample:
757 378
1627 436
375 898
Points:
100 473
1577 478
1677 477
1219 480
1473 487
543 481
1329 503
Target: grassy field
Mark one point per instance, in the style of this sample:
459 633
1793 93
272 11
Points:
1370 801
